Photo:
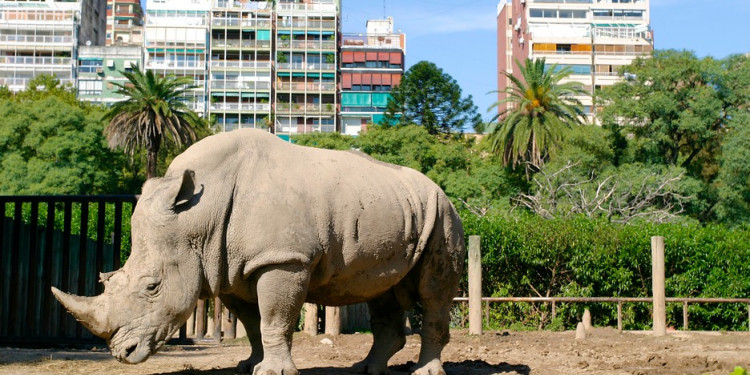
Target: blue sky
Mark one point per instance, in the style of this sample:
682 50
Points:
460 36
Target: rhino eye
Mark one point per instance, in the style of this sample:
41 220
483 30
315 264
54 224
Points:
152 287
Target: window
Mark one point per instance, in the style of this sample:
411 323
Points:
571 13
90 66
89 87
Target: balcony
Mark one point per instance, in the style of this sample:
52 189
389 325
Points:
29 61
42 40
240 85
310 8
306 66
389 41
306 86
240 64
244 107
307 24
236 44
248 5
323 45
305 108
172 64
237 22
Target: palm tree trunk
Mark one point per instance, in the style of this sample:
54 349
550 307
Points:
151 163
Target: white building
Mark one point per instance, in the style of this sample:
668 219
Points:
42 37
594 38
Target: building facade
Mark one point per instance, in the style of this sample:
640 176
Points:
240 69
306 62
371 65
176 43
42 37
100 67
124 23
594 38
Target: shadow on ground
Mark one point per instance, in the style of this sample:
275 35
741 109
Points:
474 367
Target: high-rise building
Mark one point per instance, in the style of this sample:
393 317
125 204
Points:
371 65
42 37
124 23
240 64
176 43
306 38
594 38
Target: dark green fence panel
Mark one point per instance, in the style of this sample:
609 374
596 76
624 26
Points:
60 241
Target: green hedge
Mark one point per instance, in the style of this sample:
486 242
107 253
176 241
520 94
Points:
524 255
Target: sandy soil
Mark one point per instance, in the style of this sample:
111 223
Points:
605 351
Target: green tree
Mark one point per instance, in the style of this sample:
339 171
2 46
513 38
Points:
50 146
677 110
153 112
540 110
330 141
431 98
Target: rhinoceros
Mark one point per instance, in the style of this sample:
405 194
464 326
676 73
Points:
266 225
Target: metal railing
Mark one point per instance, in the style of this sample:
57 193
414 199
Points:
307 44
305 108
304 86
245 85
43 39
306 24
240 64
251 107
239 22
31 60
306 66
236 43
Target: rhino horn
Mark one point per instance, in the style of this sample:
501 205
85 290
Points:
87 310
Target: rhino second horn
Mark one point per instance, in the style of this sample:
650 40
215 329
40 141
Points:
87 310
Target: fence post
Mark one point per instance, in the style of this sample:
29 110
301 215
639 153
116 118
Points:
685 315
217 320
311 319
658 291
619 315
333 320
475 286
200 319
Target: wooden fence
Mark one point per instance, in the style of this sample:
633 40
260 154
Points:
61 241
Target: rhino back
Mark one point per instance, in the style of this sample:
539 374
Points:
360 224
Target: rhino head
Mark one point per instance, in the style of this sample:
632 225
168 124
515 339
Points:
152 295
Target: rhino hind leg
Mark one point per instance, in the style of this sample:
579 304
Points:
387 324
249 314
281 293
438 280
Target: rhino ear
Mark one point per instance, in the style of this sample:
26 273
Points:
183 190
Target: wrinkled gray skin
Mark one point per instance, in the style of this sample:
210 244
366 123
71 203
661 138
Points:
266 226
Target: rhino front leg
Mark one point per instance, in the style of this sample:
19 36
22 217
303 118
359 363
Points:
281 292
249 314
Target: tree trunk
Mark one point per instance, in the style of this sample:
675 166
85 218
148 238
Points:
151 163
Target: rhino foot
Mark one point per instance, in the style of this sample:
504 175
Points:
246 366
275 368
370 368
433 367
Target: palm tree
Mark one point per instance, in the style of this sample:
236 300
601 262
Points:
154 110
540 110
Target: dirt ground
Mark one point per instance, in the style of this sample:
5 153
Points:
605 351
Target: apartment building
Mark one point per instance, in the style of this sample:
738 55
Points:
124 23
594 38
100 67
240 69
371 65
176 43
306 38
43 37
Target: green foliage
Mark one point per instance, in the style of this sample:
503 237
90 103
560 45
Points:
330 141
675 109
540 110
739 371
524 255
431 98
154 112
50 146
